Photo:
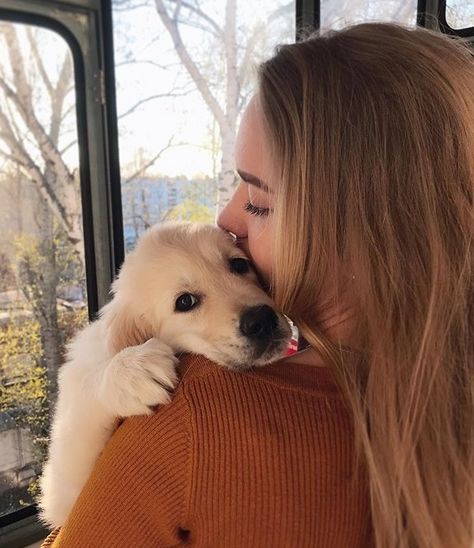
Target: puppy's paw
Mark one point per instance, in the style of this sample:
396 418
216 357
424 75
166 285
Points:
138 378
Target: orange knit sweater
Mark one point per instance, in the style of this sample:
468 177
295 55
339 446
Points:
257 459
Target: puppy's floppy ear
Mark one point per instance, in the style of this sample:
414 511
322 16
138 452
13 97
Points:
123 327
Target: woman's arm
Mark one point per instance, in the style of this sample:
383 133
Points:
137 493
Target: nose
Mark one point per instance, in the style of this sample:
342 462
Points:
232 217
258 322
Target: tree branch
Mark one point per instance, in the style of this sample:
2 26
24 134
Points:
190 65
147 99
58 97
150 162
139 62
218 31
126 6
31 170
11 157
198 26
22 97
39 62
67 147
17 64
47 148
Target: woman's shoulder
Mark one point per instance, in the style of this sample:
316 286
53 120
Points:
285 375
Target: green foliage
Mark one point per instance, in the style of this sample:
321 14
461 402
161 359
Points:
23 376
34 256
23 394
24 379
188 210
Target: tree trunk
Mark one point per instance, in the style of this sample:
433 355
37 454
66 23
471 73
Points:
46 306
226 180
226 177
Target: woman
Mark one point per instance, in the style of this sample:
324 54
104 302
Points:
356 160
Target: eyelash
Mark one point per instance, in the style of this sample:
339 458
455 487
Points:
255 210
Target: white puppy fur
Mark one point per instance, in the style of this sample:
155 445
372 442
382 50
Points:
184 288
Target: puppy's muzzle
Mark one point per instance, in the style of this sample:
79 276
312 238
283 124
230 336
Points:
261 327
258 322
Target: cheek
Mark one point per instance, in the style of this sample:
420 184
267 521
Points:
260 246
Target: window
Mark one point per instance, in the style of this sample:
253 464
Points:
179 109
61 231
339 13
460 13
43 298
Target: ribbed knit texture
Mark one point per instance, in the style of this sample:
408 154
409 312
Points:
256 459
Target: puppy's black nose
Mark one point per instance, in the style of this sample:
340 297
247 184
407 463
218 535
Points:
258 321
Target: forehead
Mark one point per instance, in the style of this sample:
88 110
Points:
251 150
161 263
205 265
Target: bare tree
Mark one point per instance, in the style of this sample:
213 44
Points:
237 58
20 124
30 141
221 67
38 280
220 71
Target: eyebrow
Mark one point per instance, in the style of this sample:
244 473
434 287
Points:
252 180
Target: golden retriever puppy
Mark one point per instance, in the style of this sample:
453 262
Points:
184 288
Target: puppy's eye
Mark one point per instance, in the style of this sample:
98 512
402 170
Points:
186 302
238 265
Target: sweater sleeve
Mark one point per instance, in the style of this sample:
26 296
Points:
137 493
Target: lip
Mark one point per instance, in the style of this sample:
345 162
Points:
239 242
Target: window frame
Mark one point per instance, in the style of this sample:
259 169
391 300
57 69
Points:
308 16
436 10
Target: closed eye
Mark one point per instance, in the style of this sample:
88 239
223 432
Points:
239 265
255 210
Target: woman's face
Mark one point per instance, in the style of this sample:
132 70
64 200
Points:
248 215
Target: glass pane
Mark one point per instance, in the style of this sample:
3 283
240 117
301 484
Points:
179 109
42 285
336 14
460 13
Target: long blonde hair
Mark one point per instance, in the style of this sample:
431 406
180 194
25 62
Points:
372 132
